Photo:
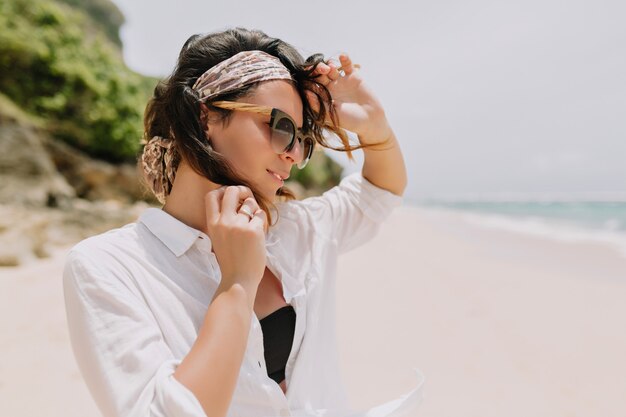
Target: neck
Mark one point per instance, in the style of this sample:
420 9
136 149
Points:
186 199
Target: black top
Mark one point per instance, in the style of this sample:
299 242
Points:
278 330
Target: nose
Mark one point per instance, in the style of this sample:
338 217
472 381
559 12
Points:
296 153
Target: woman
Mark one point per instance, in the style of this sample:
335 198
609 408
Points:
208 307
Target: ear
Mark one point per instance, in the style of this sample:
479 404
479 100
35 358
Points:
204 113
208 136
204 120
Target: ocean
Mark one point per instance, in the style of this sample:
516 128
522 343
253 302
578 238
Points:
571 221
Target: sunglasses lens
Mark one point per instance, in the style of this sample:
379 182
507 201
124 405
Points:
284 138
308 143
282 135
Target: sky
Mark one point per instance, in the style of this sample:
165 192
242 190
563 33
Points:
522 99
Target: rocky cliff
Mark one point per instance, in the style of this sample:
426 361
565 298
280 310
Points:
70 128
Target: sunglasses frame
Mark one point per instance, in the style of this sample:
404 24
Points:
276 115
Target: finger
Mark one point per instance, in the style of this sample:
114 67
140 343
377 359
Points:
259 220
322 68
317 67
333 74
323 79
354 66
233 196
251 204
212 202
346 64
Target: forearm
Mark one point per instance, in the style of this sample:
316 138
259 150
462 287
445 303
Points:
385 168
211 368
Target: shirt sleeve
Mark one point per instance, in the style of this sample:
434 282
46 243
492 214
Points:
352 211
119 348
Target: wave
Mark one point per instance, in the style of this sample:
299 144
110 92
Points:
609 230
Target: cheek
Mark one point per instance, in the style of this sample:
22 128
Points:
247 148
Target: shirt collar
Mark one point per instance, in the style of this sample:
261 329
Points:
174 234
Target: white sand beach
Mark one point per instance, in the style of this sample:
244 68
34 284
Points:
501 324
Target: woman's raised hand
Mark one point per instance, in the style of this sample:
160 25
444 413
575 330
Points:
358 108
238 240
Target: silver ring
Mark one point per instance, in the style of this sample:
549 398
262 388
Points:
247 211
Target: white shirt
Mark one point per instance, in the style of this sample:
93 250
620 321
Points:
137 295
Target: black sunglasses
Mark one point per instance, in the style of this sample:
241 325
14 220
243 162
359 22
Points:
284 130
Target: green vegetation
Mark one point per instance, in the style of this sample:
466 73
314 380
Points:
61 68
58 66
321 173
104 14
11 111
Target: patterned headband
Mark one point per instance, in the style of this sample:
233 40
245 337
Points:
244 68
160 157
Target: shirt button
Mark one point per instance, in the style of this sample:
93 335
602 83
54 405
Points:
284 412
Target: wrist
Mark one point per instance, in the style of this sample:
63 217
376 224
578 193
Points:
382 133
378 130
239 286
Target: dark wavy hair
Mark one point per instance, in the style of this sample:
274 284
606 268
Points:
174 110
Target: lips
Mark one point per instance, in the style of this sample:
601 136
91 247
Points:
283 177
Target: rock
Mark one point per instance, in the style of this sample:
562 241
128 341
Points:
27 173
98 180
28 234
23 235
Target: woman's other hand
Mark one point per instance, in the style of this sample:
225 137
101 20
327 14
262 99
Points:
237 240
358 109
